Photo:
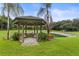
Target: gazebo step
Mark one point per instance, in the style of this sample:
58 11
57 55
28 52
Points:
30 41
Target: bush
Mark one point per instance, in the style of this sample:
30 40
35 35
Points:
42 37
16 36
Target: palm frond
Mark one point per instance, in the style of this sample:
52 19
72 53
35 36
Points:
14 9
47 5
20 10
41 11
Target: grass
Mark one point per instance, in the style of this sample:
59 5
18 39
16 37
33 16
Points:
63 46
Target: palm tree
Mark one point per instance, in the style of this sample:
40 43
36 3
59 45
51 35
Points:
45 11
13 9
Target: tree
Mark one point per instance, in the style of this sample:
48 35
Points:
45 10
12 9
67 25
3 22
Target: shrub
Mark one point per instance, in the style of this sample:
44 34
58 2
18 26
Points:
42 37
16 36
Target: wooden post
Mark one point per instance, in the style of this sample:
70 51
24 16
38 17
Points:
37 28
34 29
40 28
18 28
23 33
26 29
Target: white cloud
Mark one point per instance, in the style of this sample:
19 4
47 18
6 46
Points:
59 14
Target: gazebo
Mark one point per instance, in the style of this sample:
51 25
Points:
26 21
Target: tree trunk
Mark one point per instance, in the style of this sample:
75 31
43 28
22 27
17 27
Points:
48 30
8 25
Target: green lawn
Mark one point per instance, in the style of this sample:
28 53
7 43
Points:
57 47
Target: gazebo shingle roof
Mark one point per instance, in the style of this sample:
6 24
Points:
29 17
29 20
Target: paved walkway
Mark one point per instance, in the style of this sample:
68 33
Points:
62 34
29 41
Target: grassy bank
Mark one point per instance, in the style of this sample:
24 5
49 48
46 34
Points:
57 47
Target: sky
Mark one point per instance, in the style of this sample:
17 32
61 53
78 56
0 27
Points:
60 11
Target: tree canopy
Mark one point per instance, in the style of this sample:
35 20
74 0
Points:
67 25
